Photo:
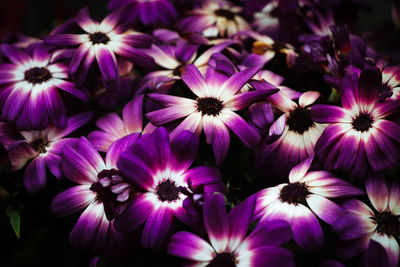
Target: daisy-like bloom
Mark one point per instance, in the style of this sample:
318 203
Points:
390 83
217 99
114 129
265 48
102 192
173 59
216 18
359 135
101 41
29 88
302 200
150 12
294 133
161 168
43 148
362 225
267 21
229 245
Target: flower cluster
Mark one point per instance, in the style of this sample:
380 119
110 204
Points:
301 133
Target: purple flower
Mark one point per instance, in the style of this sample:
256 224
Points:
215 18
302 200
161 168
292 136
363 225
360 135
114 129
217 99
230 245
29 83
102 193
173 59
149 12
43 148
390 83
101 41
264 48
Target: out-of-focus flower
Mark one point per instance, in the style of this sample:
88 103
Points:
229 244
102 192
302 200
161 168
149 12
114 129
43 148
217 99
215 18
360 135
101 41
362 225
173 59
29 88
292 136
264 48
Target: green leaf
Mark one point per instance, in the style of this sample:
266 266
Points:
15 220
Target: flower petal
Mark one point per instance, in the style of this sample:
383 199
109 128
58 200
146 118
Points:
158 228
216 221
190 246
72 200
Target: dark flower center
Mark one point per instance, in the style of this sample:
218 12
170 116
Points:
167 191
225 14
363 122
224 259
99 38
40 144
178 70
37 75
300 120
209 105
294 193
388 223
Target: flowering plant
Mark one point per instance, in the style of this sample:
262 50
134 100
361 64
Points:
201 133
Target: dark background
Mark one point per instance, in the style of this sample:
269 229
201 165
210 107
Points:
44 238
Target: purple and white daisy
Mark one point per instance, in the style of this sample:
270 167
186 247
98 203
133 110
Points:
302 200
42 148
29 86
101 41
229 244
173 59
363 225
294 133
149 12
215 18
360 135
102 192
114 129
161 168
217 98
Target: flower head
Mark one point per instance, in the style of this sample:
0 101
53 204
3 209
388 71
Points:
29 88
161 168
360 135
230 245
363 225
292 136
102 192
43 148
216 18
101 41
217 99
302 200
